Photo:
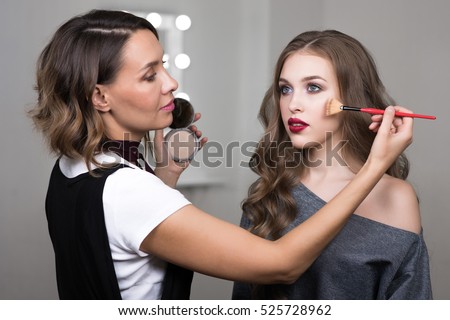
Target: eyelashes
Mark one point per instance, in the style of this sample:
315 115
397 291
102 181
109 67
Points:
313 87
284 90
309 87
150 78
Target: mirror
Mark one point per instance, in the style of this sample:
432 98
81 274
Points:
183 114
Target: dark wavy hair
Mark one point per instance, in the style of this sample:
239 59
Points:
270 205
85 51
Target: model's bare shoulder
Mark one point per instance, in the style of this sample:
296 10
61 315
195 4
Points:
393 202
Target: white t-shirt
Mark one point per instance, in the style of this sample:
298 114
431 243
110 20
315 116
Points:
134 203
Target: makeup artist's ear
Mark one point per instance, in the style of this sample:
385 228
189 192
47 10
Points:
99 99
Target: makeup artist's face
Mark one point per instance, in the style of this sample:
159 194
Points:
306 84
140 99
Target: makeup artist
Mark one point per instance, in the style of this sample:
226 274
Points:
117 227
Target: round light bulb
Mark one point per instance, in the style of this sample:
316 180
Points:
155 19
183 22
182 61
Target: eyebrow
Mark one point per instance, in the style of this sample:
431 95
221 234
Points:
308 78
149 65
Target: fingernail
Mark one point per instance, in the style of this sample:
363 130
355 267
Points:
390 109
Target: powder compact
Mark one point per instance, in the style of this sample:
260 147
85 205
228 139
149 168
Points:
182 143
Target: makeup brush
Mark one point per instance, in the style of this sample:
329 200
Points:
335 106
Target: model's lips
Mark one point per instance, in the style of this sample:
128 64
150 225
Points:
169 107
297 125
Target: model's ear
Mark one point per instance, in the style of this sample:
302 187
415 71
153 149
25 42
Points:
99 99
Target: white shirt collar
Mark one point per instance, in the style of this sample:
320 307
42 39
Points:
74 167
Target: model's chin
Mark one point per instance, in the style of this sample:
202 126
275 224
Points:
301 144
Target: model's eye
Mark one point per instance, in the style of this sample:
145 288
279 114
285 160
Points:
311 87
285 90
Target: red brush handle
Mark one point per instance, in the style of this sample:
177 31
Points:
397 113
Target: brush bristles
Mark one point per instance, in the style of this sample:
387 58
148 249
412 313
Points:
333 107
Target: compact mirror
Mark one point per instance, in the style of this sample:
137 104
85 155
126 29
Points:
183 114
182 143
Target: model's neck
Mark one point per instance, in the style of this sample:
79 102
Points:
329 162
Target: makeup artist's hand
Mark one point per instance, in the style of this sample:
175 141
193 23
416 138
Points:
167 170
394 135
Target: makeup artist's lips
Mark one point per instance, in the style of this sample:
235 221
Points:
296 125
169 107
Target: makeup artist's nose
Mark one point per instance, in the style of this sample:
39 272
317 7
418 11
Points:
169 83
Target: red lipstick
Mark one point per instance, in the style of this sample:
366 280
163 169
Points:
296 125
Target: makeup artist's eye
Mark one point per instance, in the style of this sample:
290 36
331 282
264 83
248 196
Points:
150 77
313 88
284 89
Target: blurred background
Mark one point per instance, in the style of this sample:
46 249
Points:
232 46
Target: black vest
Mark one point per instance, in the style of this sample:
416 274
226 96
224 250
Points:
84 266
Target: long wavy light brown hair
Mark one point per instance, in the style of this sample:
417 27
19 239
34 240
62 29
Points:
85 51
270 206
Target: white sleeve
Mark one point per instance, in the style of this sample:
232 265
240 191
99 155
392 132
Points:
135 202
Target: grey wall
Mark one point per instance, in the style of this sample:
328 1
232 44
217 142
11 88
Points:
233 45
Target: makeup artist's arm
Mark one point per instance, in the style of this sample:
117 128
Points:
166 169
203 243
